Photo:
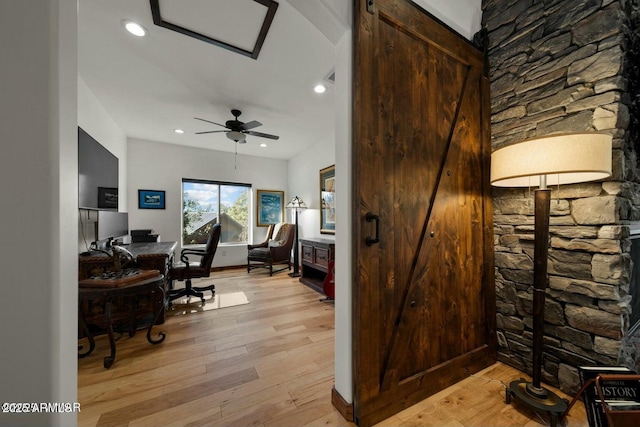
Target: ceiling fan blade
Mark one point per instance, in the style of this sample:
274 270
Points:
211 131
209 121
250 125
263 135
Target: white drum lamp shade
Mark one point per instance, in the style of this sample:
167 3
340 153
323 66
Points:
564 158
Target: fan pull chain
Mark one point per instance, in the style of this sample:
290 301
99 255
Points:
235 159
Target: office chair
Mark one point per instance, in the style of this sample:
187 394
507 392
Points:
186 270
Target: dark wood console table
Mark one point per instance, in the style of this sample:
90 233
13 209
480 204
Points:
139 284
316 254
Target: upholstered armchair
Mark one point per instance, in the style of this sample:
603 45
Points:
275 250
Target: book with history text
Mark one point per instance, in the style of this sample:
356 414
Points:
618 394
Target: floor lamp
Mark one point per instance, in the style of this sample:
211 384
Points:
296 203
552 160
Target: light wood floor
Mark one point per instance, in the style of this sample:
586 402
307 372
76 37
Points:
266 363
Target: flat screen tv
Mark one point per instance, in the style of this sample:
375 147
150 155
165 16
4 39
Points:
97 174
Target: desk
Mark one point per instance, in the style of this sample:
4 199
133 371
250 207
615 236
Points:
149 256
150 283
316 254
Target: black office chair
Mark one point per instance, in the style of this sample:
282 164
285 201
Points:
186 270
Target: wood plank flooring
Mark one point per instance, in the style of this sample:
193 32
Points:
268 363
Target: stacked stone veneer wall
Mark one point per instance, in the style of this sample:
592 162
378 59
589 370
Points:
564 66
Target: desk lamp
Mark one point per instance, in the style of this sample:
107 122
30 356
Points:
551 160
296 203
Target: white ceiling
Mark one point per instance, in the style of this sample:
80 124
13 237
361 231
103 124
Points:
154 84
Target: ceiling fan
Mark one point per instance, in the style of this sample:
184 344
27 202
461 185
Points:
237 130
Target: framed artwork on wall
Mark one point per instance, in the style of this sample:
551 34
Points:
269 207
107 198
328 200
151 199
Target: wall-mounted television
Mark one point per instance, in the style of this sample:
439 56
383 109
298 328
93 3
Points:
97 174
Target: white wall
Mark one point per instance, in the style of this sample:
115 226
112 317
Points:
38 183
344 131
304 181
96 121
160 166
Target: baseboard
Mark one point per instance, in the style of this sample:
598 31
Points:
345 409
228 267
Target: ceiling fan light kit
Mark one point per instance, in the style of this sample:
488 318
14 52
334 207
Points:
236 130
237 136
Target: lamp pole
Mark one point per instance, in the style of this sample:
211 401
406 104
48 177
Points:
542 210
296 256
296 203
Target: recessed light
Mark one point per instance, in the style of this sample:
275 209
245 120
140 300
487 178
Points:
178 131
319 88
263 145
134 28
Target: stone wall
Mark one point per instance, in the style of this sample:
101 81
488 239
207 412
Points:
564 66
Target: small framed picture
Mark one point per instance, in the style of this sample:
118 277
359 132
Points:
107 198
151 199
270 207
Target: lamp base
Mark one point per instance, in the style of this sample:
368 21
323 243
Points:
538 399
295 274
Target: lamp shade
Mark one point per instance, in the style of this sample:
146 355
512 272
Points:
297 203
236 136
563 158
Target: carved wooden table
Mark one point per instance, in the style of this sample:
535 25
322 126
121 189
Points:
132 285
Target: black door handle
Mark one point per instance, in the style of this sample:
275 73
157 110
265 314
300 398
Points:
373 240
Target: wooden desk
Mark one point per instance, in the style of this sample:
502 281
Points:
316 254
144 284
149 256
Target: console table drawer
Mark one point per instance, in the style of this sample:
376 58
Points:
322 257
307 253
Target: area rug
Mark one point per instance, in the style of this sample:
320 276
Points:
182 306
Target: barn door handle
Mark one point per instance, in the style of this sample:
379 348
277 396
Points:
373 240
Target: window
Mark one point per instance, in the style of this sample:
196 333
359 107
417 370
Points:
205 203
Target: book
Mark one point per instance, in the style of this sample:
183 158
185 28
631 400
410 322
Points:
617 394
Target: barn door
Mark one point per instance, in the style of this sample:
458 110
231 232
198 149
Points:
424 314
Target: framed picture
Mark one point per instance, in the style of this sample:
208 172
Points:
328 200
150 199
270 207
107 198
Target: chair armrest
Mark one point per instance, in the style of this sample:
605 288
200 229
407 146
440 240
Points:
258 245
185 252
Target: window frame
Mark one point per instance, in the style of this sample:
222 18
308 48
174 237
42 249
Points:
219 184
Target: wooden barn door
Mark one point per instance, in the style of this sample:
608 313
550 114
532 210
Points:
424 314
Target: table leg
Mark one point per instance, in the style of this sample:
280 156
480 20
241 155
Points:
108 360
133 326
85 329
160 291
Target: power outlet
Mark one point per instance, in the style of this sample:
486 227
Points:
223 252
